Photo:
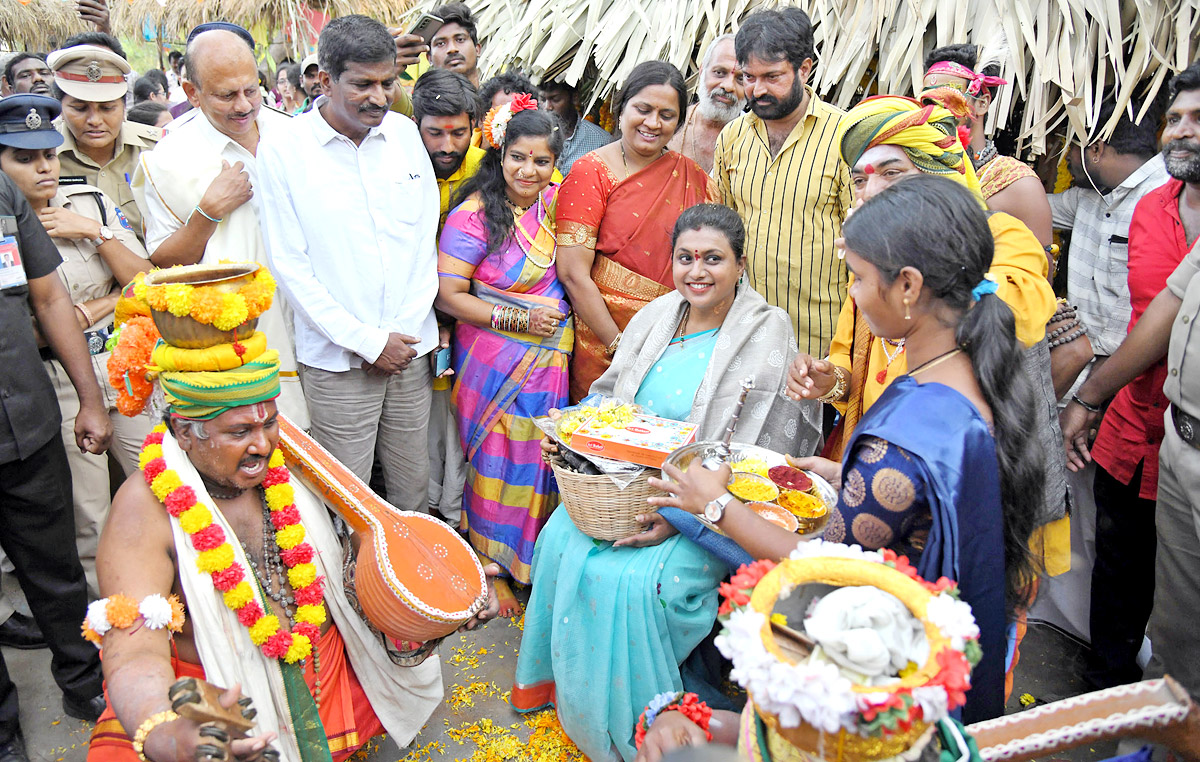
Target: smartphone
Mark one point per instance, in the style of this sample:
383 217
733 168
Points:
442 361
426 27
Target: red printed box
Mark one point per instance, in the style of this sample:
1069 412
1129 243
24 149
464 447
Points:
646 440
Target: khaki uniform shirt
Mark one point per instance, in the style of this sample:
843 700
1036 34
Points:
83 270
113 178
1183 355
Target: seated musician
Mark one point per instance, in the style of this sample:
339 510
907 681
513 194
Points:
214 521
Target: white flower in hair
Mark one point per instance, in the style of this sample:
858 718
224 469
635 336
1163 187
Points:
495 124
156 610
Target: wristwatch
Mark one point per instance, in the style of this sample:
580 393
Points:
715 510
106 235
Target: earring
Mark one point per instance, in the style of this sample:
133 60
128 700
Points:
907 312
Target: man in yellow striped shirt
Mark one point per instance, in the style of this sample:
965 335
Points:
778 167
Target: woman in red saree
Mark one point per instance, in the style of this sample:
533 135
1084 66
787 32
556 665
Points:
616 210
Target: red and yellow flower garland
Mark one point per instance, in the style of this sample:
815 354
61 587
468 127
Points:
216 556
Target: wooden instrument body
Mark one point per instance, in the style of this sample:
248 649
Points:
1127 710
416 578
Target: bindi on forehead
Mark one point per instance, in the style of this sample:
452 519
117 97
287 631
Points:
869 169
260 412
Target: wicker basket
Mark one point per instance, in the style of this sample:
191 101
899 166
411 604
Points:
597 507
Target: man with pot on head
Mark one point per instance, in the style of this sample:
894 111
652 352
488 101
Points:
720 99
214 522
99 147
197 188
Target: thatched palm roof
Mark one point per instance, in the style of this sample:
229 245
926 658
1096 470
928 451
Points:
1059 56
37 24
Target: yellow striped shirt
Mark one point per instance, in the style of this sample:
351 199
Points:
793 205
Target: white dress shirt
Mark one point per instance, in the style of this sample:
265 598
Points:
351 236
1098 260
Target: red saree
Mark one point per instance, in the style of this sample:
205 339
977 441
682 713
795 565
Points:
345 712
628 223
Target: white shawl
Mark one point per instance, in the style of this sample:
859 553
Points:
403 697
755 340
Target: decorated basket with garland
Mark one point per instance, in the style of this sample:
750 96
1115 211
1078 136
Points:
201 306
814 704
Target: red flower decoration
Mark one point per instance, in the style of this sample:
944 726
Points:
277 475
522 102
208 538
228 578
964 136
153 469
311 595
873 710
954 676
276 646
301 554
180 499
156 437
308 630
286 517
733 597
750 575
238 349
250 613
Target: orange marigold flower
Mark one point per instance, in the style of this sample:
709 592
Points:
176 623
206 304
122 611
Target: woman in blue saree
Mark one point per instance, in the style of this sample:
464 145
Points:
609 624
939 469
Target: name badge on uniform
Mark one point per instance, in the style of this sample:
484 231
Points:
12 272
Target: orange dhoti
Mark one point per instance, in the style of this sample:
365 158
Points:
345 712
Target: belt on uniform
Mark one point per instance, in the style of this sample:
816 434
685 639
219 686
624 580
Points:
1186 426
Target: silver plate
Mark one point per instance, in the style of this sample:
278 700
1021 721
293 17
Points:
700 451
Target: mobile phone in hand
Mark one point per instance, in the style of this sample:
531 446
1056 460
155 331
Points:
426 27
443 362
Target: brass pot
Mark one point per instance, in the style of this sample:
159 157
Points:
188 333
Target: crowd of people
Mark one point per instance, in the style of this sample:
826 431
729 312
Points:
458 256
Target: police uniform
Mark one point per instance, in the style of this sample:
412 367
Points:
92 73
87 276
1173 635
36 523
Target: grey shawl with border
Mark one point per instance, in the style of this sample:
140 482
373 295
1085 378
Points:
756 340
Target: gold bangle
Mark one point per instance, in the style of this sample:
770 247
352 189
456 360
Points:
148 726
839 386
86 315
611 349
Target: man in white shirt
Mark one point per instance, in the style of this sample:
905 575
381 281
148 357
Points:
197 193
350 221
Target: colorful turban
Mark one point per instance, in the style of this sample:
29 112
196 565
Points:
927 134
205 394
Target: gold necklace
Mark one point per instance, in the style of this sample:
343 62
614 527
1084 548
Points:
528 250
931 364
687 313
625 162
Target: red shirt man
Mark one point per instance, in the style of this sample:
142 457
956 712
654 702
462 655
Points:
1132 428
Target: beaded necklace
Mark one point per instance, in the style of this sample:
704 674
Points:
519 232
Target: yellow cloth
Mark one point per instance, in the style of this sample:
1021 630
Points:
927 133
1019 267
792 205
219 358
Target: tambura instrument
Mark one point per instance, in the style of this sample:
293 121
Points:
416 578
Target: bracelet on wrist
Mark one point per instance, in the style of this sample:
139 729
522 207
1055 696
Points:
611 349
86 315
207 216
147 726
687 704
841 382
1085 405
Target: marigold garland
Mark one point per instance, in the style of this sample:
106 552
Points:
127 365
122 612
209 305
216 557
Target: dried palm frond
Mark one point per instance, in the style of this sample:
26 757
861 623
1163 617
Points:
177 17
1061 58
37 24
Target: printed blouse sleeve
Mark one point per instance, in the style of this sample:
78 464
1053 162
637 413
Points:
582 200
883 502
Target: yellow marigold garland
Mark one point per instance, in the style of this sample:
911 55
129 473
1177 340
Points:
216 556
210 306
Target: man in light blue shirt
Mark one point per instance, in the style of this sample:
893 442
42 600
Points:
351 236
